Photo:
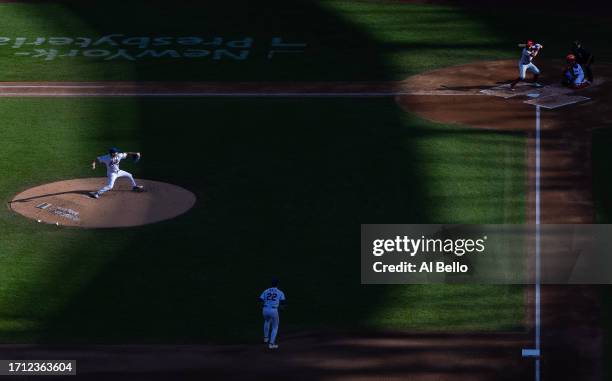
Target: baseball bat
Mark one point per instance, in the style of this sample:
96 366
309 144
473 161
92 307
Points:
525 45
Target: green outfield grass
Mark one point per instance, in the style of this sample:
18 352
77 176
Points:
602 189
279 193
602 184
282 185
346 40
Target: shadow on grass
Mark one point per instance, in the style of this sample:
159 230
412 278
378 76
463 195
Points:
280 194
602 188
283 186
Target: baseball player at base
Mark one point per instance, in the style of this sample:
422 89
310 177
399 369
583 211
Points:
573 74
530 51
272 299
111 160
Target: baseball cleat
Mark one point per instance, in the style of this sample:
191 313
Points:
537 84
138 188
94 195
266 340
273 346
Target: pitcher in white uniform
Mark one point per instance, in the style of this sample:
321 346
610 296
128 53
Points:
272 299
111 160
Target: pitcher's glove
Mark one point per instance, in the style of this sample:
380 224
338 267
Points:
136 157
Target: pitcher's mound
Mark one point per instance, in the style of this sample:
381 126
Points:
68 203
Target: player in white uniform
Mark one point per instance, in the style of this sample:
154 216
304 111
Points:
272 299
574 74
113 172
530 51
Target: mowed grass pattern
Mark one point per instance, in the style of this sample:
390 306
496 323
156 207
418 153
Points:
279 194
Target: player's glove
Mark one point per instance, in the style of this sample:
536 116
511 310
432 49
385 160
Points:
136 157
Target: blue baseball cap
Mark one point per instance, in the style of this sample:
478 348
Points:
113 150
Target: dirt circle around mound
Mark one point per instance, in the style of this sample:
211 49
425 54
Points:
67 203
463 95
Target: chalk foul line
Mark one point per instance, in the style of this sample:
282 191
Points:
242 90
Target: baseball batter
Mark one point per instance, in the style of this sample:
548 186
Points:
530 51
111 160
272 299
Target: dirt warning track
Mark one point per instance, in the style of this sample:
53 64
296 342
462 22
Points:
393 356
197 89
222 89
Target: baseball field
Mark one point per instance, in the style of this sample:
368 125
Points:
292 123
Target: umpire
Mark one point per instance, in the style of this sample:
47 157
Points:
584 58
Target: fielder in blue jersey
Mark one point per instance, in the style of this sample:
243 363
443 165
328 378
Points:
272 299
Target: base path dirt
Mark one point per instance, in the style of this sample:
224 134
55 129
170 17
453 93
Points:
392 356
197 89
67 203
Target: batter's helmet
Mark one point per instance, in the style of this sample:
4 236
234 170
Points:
113 150
570 58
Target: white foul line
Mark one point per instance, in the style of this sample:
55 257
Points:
52 86
203 94
114 92
536 352
537 249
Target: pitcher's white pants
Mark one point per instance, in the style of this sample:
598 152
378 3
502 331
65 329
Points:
271 319
112 177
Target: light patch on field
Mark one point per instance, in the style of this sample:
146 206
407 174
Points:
556 101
